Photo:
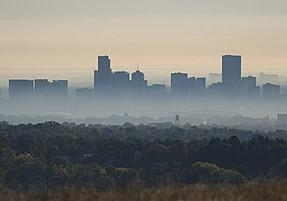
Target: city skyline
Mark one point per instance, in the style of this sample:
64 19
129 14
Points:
63 36
113 84
116 91
143 99
211 77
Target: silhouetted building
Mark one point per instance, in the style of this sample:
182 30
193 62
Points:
249 89
156 91
271 91
179 84
121 79
191 85
217 90
60 88
231 70
46 90
21 90
42 88
138 80
104 63
121 83
138 84
200 86
249 81
103 76
196 86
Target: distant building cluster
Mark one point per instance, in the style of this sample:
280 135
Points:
121 85
39 89
229 83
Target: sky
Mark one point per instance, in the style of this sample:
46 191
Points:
61 39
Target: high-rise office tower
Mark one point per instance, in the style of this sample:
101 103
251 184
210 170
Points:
60 88
44 89
138 84
138 80
21 90
249 81
231 70
196 86
121 82
179 84
121 79
104 63
156 91
249 89
200 86
103 76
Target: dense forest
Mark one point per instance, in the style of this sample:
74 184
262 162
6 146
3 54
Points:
50 155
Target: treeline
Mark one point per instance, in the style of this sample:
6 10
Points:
50 155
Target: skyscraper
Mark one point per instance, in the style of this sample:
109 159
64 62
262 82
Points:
121 81
138 80
249 89
231 70
42 88
196 86
103 76
179 84
21 90
156 91
104 63
46 90
138 84
60 88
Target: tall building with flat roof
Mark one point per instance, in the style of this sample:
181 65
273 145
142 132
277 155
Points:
138 84
200 86
196 86
249 89
103 76
156 91
60 88
179 84
121 82
42 88
45 90
121 78
231 69
20 90
104 63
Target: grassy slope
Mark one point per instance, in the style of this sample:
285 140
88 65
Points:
259 191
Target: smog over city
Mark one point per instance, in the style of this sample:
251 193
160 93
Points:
143 100
123 94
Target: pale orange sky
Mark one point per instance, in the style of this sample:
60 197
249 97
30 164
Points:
62 39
